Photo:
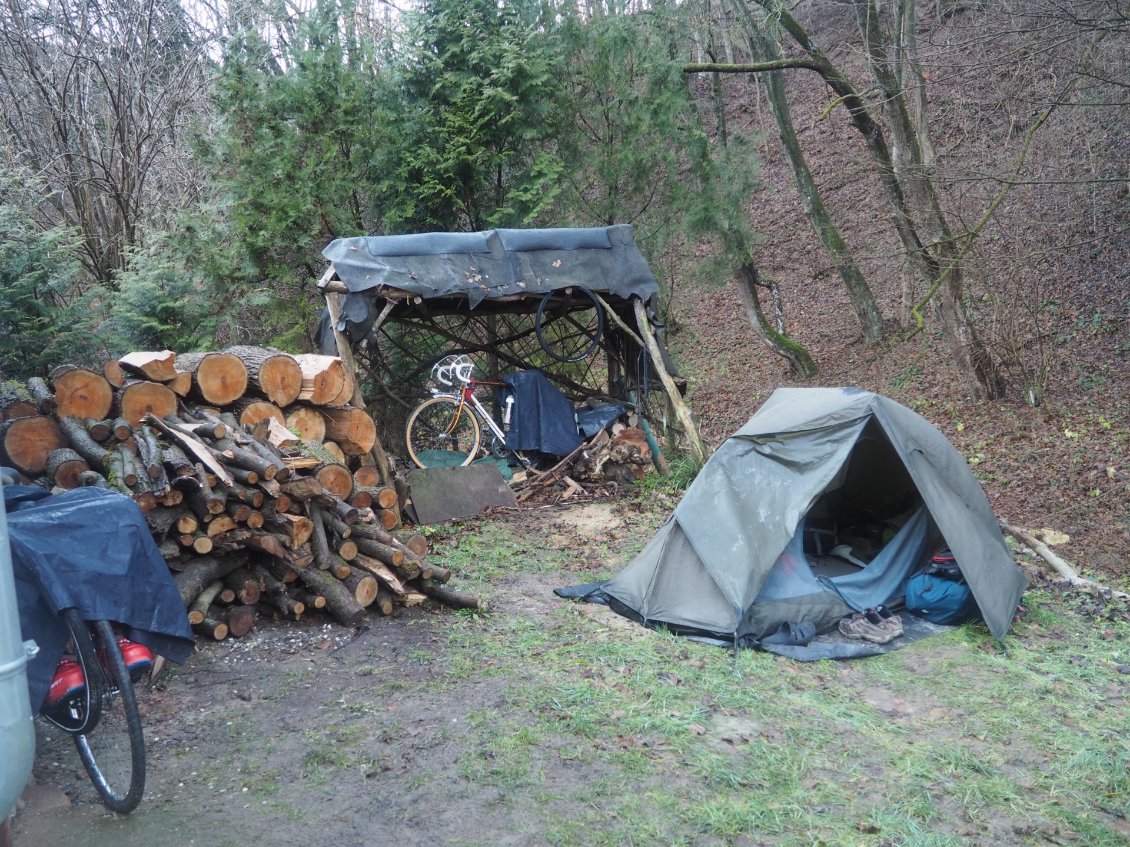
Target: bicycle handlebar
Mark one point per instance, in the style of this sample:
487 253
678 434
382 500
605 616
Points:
451 368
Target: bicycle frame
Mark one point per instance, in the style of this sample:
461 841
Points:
466 397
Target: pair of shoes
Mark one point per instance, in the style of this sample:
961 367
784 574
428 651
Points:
888 619
868 626
66 698
138 658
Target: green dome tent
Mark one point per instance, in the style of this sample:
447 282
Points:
816 470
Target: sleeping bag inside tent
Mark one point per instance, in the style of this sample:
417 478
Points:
826 502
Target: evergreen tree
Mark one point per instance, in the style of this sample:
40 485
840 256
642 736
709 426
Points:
480 107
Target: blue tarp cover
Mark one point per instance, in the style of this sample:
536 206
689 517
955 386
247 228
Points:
89 549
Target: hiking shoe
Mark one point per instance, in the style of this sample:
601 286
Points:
868 626
888 619
66 698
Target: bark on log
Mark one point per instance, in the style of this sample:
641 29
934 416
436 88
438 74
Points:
217 378
270 373
81 393
100 431
340 602
153 366
25 443
64 467
455 599
43 397
199 573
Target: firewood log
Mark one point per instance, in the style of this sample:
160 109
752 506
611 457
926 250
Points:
309 599
384 602
198 609
382 572
363 586
239 620
455 599
367 476
249 412
100 431
271 373
181 384
25 443
138 398
80 393
352 429
153 366
323 378
217 378
340 602
64 466
42 396
335 479
214 629
113 373
246 584
307 422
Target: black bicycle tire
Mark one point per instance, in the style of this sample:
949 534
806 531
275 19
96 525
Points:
122 802
413 418
539 328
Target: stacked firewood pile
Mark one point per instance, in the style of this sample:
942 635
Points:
254 471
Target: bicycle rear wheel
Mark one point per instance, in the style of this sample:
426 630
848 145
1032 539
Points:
113 749
442 428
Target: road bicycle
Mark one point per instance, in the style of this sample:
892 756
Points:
92 699
448 428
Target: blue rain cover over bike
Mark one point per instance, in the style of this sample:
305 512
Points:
89 549
543 419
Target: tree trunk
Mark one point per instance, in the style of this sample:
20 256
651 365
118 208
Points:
800 362
859 292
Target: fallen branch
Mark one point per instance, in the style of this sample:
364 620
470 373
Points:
1060 566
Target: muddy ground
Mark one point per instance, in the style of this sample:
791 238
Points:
241 737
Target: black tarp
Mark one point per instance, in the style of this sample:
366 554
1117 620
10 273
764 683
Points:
543 419
479 266
89 549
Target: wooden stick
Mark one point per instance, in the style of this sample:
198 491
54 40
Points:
1060 566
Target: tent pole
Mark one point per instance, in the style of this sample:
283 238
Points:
345 353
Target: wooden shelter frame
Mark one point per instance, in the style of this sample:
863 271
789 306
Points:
393 361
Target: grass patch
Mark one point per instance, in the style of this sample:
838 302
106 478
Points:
624 735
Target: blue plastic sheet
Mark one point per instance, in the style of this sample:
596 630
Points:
89 549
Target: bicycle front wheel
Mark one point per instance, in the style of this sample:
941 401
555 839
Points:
442 432
113 750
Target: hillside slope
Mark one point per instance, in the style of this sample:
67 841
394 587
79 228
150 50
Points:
1048 280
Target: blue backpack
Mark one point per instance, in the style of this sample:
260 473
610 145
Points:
939 593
